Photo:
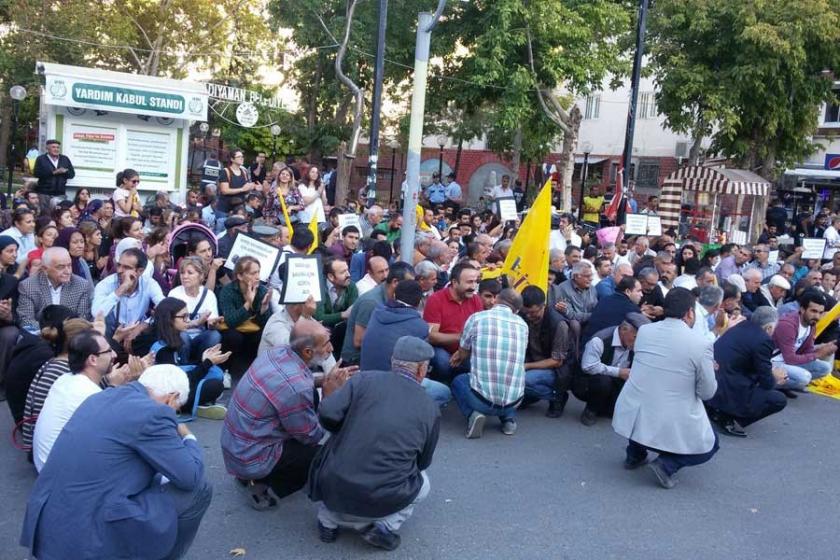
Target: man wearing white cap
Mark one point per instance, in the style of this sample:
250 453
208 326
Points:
775 290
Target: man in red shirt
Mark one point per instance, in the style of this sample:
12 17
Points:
446 312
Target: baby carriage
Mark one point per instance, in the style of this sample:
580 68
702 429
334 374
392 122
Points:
186 235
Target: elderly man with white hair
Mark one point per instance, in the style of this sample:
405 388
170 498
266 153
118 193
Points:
124 479
371 219
576 298
752 298
711 321
54 284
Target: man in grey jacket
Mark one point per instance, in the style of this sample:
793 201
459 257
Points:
660 407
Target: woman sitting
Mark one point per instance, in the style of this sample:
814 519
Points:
45 238
95 262
172 320
245 306
203 249
202 307
74 241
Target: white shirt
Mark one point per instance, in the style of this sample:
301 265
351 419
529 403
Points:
833 239
557 241
366 284
54 162
121 194
66 395
314 208
55 293
701 322
801 336
209 304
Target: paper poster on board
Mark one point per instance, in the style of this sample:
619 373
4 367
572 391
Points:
345 220
813 248
302 279
654 226
506 207
245 245
636 224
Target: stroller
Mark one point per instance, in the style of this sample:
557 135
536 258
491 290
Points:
182 237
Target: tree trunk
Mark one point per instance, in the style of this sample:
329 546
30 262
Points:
697 140
458 156
517 153
345 167
312 102
566 164
5 130
768 166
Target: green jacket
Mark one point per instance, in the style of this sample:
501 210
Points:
386 229
232 306
330 314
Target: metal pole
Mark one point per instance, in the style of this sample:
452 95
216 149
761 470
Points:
393 172
584 173
634 97
373 155
415 135
440 165
12 151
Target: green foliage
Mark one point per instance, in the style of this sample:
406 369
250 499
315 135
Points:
748 73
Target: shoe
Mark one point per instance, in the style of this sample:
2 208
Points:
325 534
663 478
557 406
211 411
509 427
260 495
226 381
381 537
527 401
789 393
731 428
632 465
588 417
475 425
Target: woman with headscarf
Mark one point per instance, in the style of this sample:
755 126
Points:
8 255
74 241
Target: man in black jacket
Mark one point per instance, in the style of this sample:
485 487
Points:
384 429
53 170
745 375
611 310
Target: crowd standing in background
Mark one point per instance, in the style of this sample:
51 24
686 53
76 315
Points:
120 321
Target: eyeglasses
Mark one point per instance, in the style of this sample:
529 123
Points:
107 351
183 316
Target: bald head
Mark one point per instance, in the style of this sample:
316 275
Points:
378 269
310 340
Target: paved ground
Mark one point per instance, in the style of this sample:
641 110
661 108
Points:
555 490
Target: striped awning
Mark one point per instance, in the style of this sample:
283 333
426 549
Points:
706 179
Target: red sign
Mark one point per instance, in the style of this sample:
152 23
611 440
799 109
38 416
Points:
832 161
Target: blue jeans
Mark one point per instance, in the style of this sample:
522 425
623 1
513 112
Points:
539 384
190 506
468 402
193 347
442 371
799 376
671 462
439 392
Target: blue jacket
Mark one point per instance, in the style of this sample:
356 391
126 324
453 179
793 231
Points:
97 496
605 288
387 324
745 373
609 312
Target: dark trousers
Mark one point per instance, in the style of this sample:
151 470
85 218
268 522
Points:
671 462
764 402
191 506
292 470
244 347
8 339
599 392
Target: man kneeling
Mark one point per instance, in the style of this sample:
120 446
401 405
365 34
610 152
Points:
370 473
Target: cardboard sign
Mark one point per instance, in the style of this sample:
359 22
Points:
345 220
773 256
654 226
636 224
302 279
266 254
813 248
506 208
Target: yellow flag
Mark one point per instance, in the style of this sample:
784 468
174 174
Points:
827 318
527 261
313 227
286 214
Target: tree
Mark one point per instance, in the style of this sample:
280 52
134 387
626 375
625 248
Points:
748 74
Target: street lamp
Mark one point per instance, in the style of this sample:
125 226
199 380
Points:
204 128
441 140
587 149
275 132
393 144
18 94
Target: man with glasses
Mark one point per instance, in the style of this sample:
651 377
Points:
91 360
762 263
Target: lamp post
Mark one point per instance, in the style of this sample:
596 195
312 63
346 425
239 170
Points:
204 128
18 94
275 132
393 144
587 149
441 141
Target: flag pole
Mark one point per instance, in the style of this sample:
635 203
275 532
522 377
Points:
631 113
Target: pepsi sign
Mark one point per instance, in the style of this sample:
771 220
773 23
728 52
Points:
832 162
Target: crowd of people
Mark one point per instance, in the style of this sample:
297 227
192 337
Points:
116 314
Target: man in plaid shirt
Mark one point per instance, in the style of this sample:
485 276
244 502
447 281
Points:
271 431
496 341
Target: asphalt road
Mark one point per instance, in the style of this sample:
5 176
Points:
554 490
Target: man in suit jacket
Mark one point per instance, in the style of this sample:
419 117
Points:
55 284
53 171
611 310
746 378
660 407
100 494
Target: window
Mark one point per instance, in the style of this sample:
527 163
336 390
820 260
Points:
647 106
593 107
648 176
832 113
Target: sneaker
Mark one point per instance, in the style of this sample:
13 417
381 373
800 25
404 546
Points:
212 412
588 417
557 406
630 464
509 427
379 536
663 478
326 534
475 425
260 495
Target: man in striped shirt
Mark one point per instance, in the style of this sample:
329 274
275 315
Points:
496 341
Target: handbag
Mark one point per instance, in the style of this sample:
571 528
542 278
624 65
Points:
247 326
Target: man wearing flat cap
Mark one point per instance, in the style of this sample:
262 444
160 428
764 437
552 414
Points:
384 428
605 366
